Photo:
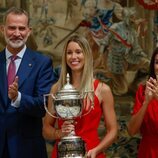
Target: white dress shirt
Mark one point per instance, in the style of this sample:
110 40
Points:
16 103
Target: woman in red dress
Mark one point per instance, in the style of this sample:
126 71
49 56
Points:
145 113
77 60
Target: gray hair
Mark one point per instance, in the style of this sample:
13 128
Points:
16 11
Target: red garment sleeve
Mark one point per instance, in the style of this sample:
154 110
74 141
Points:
139 98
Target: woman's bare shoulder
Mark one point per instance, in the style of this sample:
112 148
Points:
104 87
103 91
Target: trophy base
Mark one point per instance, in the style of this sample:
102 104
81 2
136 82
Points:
71 147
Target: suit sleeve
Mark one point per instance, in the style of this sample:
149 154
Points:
32 102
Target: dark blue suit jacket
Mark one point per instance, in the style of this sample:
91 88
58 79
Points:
21 128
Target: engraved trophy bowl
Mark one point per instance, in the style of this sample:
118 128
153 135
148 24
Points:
68 104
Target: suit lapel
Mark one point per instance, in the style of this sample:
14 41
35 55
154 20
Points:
3 80
25 67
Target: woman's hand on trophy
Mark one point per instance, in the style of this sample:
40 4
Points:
91 153
67 127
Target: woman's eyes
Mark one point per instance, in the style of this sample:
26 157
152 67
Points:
71 52
78 52
156 62
68 52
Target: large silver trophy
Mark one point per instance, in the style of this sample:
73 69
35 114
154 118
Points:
68 104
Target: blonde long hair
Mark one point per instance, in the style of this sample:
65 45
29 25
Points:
87 74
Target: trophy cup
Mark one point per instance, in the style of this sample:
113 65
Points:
68 104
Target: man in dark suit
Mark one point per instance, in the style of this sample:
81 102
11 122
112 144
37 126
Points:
21 102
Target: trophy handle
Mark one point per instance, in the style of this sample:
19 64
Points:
45 104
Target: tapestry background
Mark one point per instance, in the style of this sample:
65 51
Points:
54 20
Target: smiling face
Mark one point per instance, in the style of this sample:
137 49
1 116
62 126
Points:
16 31
75 57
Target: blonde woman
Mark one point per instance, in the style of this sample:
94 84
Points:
78 62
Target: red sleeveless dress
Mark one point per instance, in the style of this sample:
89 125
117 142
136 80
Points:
148 147
87 127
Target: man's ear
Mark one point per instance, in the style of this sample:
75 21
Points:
2 39
30 31
2 28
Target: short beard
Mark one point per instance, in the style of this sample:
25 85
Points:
17 43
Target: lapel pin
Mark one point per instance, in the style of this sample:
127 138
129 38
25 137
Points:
30 65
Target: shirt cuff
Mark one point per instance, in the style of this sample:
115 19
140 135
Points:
16 103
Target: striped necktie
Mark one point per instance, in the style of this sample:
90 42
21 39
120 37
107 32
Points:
11 70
